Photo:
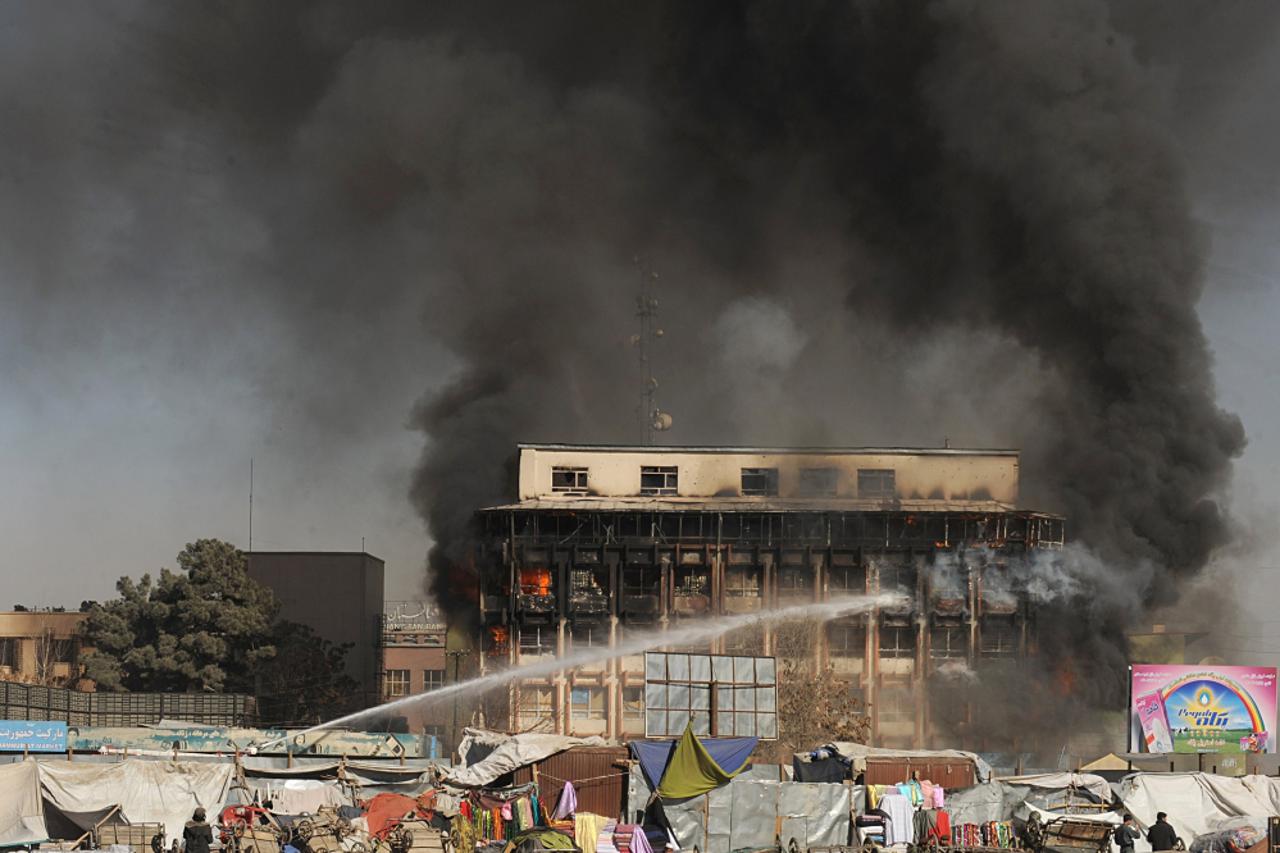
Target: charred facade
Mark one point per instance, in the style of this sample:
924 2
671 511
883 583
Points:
606 540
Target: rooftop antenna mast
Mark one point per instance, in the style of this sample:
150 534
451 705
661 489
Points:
652 418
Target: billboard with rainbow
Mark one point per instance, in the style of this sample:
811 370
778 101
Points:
1178 708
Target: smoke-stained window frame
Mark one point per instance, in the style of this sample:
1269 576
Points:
898 651
663 480
395 680
432 679
877 483
580 480
759 482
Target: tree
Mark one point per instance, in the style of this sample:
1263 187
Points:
306 683
206 627
816 704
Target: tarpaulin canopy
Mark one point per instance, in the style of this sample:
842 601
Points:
506 753
147 791
1094 784
655 755
1198 803
693 770
21 815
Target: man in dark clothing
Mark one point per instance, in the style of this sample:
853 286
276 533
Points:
197 836
1161 834
1126 834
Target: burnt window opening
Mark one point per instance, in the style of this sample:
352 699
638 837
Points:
896 706
569 481
795 579
819 482
847 578
897 642
742 583
759 481
633 709
876 483
948 643
897 577
587 703
537 640
536 701
659 480
998 640
590 636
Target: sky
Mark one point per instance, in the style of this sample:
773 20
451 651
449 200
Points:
145 357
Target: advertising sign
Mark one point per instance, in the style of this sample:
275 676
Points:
32 736
1178 708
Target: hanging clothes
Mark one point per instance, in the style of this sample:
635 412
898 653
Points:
568 803
938 799
586 829
898 807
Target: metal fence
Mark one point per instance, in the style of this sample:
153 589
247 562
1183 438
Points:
33 702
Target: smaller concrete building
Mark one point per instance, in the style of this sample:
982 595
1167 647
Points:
40 646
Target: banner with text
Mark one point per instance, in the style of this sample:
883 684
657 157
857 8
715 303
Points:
32 736
1181 708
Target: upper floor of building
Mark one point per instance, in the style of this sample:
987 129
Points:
559 475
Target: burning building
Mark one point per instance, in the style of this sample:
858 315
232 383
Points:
604 540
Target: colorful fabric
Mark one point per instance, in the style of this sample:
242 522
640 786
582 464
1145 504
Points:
692 771
568 803
586 830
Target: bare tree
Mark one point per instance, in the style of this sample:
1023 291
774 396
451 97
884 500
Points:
816 704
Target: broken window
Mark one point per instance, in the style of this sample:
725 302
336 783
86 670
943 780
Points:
659 480
397 683
742 583
759 481
896 642
818 482
590 636
795 579
536 703
569 481
633 709
537 640
998 640
876 483
948 643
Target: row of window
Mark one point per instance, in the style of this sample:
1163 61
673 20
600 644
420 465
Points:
945 642
658 480
46 650
398 682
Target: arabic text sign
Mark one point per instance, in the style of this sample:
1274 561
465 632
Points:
1205 708
32 736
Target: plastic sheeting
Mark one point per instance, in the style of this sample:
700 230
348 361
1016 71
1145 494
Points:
730 753
1094 784
859 753
21 814
749 811
1197 803
507 753
146 791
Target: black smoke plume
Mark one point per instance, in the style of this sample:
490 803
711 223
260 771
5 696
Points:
875 223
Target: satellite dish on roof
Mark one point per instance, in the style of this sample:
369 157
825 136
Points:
661 421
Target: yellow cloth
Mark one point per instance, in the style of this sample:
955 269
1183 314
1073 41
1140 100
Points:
586 829
692 771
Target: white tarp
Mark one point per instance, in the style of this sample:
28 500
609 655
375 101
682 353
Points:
860 752
1090 782
147 791
1198 802
21 814
509 752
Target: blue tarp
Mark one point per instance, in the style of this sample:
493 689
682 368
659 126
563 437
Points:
728 752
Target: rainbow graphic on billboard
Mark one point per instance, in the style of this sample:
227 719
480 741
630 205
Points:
1204 708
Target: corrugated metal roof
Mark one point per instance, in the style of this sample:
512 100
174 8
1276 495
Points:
587 503
671 448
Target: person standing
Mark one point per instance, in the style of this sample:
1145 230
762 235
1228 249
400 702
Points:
1126 834
197 835
1161 834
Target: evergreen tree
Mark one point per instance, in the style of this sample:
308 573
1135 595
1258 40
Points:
204 628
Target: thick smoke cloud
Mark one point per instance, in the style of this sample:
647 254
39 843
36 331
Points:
957 219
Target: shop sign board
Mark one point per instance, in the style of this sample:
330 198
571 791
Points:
1202 708
32 736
